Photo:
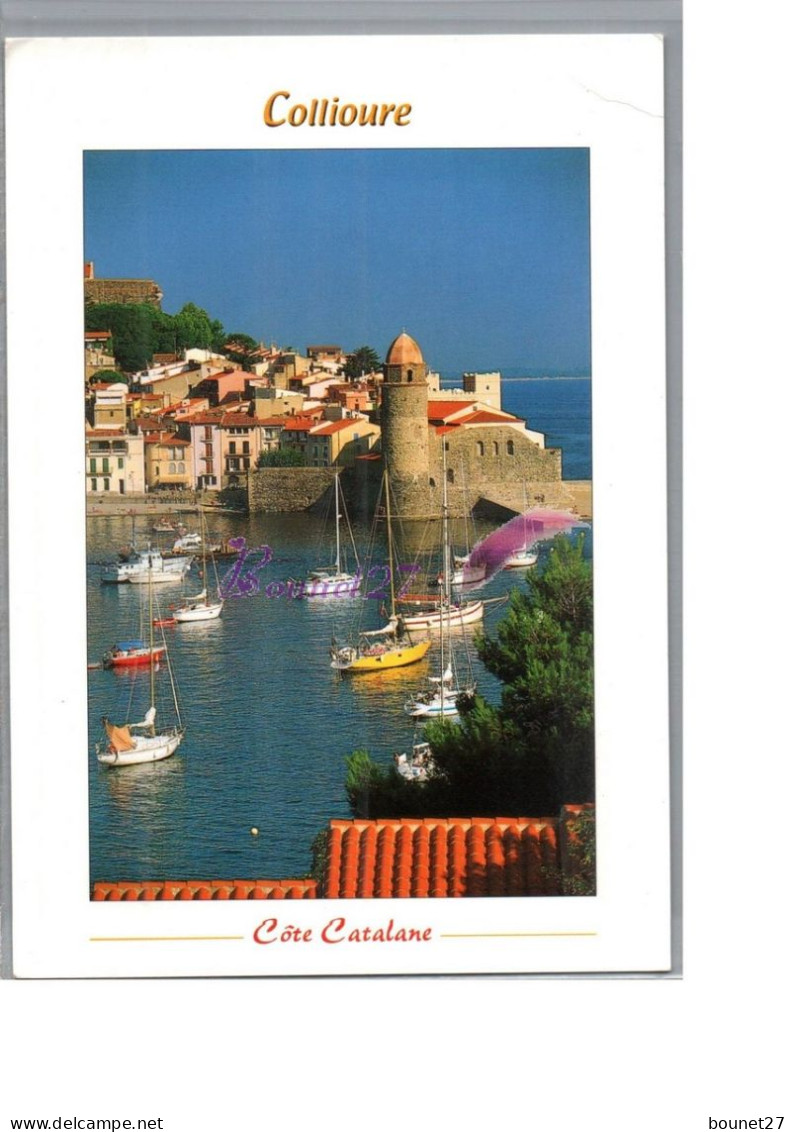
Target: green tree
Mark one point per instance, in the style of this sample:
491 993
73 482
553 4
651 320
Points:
133 327
535 750
239 349
193 328
361 361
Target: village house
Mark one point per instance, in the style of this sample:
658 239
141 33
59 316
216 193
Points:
167 461
340 443
109 408
98 352
221 386
114 462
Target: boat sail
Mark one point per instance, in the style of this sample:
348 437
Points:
334 581
201 607
391 646
444 692
143 742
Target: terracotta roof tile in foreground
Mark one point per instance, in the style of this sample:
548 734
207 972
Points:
205 890
440 857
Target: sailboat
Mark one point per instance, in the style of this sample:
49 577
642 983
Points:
334 581
464 572
143 742
441 698
391 646
524 557
201 607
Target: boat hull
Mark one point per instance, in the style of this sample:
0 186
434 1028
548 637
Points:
467 614
522 560
134 659
205 612
147 749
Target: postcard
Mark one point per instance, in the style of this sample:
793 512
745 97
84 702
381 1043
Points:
337 504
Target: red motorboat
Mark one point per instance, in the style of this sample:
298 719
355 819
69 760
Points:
130 654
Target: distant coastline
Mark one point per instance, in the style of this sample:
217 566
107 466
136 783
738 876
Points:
452 382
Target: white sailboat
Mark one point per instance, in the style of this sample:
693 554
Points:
201 607
524 557
144 741
335 581
441 698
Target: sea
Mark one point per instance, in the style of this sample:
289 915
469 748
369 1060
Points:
269 724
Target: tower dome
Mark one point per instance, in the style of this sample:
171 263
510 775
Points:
404 351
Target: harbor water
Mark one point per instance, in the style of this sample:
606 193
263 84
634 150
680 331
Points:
269 724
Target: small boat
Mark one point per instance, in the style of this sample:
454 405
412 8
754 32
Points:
142 567
164 526
414 766
334 580
378 650
201 607
465 573
143 742
189 541
522 559
426 612
390 646
441 699
132 654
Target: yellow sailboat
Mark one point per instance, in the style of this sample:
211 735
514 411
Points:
393 646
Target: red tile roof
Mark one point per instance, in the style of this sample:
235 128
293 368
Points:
205 890
446 857
440 410
487 416
330 427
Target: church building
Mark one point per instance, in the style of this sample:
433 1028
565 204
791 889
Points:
490 456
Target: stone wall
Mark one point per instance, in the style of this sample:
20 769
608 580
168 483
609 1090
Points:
288 489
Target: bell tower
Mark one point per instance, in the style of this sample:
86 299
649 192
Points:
404 427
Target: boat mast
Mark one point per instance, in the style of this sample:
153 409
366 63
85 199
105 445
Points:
338 545
151 641
447 591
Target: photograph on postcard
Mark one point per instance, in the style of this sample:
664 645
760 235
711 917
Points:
339 523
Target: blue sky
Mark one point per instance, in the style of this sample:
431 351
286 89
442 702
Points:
481 255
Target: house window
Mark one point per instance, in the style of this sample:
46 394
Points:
450 475
105 464
511 448
121 461
246 462
107 484
92 466
172 469
246 447
181 467
232 448
93 485
480 448
496 448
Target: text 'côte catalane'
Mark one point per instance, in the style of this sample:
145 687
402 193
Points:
328 112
